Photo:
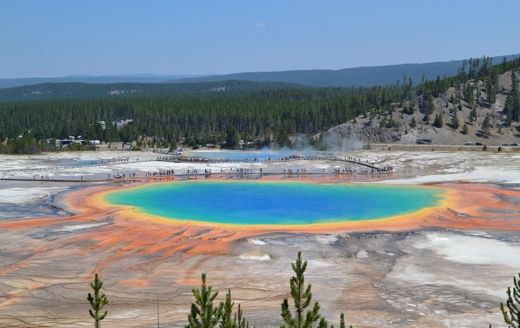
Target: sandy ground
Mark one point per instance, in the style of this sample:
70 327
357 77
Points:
425 277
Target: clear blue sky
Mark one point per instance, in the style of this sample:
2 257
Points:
98 37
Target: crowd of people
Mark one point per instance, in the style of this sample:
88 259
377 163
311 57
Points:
361 167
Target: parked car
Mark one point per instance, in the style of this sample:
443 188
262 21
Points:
424 141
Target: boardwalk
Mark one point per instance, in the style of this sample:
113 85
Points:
365 168
188 174
351 160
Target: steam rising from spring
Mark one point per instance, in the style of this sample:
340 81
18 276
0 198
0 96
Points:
331 141
335 141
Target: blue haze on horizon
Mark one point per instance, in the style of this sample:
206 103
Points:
116 37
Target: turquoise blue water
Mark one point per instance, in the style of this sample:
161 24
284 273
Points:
272 203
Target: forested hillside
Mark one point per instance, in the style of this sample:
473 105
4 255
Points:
55 91
261 116
351 77
479 105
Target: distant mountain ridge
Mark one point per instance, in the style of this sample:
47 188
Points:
133 78
349 77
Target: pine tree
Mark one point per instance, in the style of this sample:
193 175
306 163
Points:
486 125
511 309
491 92
469 95
438 121
413 123
204 314
302 298
429 108
342 322
515 94
508 109
97 302
455 121
512 105
231 137
282 138
228 320
426 118
227 312
239 321
473 114
464 129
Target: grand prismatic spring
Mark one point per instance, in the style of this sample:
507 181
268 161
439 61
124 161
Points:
276 203
378 239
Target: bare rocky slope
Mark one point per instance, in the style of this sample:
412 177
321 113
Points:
402 126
